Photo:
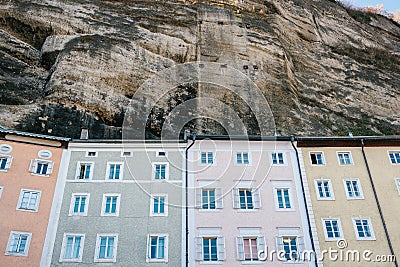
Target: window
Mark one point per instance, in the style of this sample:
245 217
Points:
324 189
41 167
18 243
161 154
126 153
106 248
210 249
1 191
363 229
317 158
110 206
345 158
5 148
29 200
394 157
114 171
396 180
45 154
72 248
79 204
242 158
157 248
160 171
353 189
283 198
248 247
277 159
246 199
91 154
292 245
332 229
5 162
84 171
159 206
207 157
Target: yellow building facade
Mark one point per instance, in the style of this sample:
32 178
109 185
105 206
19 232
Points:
352 192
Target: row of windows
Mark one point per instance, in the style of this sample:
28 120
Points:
345 158
242 158
37 166
362 227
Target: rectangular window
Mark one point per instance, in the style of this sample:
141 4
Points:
114 171
277 159
160 171
208 199
363 229
210 249
72 248
91 154
317 158
248 247
292 245
397 182
157 248
332 229
246 198
126 153
5 162
207 157
161 154
283 198
353 189
29 200
110 205
1 191
41 167
345 158
18 243
242 158
159 205
106 248
394 157
85 170
324 189
79 204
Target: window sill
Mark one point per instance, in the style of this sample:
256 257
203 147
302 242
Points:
38 174
27 210
210 210
244 262
16 254
211 262
157 260
4 170
326 199
355 198
247 210
70 260
105 260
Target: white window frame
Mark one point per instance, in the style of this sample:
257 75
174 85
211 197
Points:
9 159
148 250
91 151
332 197
72 205
299 245
397 183
207 158
78 170
277 185
130 155
27 245
323 158
220 242
152 213
218 196
1 190
393 152
359 188
326 230
236 163
21 194
64 246
153 173
283 158
5 148
350 157
255 197
33 166
372 237
249 233
103 205
121 171
161 156
97 250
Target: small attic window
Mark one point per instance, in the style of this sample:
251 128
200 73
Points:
220 23
161 154
126 154
255 67
45 154
5 148
91 154
245 67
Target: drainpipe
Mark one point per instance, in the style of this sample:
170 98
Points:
377 202
187 199
304 198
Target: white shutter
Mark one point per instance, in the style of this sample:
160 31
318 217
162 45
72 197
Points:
219 204
235 198
166 248
148 248
279 243
221 248
260 244
50 167
240 248
8 163
198 198
33 165
256 198
300 244
199 248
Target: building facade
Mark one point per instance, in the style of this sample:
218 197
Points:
122 205
29 168
354 195
246 197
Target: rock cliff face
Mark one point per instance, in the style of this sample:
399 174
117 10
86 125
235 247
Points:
72 64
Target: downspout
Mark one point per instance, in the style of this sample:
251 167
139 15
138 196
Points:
377 202
304 198
187 199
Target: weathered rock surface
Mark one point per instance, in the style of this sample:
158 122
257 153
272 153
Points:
72 64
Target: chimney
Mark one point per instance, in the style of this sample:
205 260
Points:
84 133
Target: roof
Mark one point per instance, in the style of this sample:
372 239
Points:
348 141
33 135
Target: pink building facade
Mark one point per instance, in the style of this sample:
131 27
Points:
247 205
